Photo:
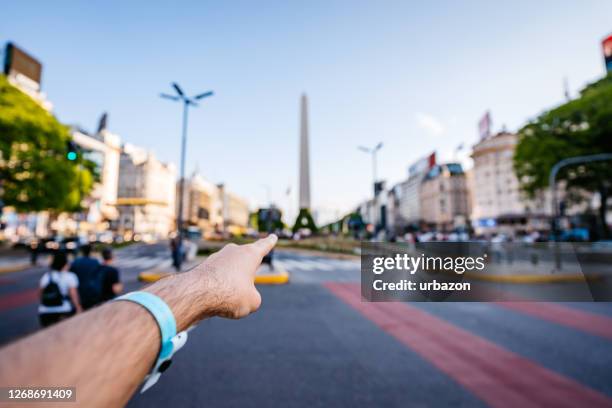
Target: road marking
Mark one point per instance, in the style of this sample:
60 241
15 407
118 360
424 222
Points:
142 262
318 265
128 263
290 264
18 299
565 316
498 376
147 263
321 266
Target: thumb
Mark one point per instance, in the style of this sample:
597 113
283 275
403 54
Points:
265 245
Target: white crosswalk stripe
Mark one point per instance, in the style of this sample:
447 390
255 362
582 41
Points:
127 263
321 266
143 262
318 265
289 264
306 270
150 262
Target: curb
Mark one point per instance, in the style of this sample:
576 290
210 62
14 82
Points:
577 277
152 276
278 278
272 278
14 268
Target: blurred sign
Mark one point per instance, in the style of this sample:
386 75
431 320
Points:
484 126
606 44
19 63
487 222
422 165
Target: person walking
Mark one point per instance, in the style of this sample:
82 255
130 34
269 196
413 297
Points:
176 253
59 298
87 269
111 281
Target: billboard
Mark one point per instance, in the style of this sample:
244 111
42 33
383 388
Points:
423 164
17 61
606 45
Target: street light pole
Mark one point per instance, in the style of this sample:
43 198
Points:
552 178
180 96
552 183
373 152
179 221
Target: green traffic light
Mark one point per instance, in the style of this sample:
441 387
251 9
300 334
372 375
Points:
72 156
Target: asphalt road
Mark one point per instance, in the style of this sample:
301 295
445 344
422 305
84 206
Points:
314 343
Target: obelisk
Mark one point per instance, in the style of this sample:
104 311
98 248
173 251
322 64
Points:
304 219
304 156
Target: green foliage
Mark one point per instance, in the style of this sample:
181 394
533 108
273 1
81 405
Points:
577 128
304 220
269 220
580 127
34 172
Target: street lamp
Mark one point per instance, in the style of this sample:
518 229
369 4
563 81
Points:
180 96
552 184
373 152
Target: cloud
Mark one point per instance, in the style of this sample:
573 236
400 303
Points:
430 124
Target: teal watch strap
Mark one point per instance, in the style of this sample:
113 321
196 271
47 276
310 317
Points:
162 315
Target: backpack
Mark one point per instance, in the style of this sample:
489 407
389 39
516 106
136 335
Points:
51 294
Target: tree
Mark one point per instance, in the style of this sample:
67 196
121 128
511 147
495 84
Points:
35 173
580 127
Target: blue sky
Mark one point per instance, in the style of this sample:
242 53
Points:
415 75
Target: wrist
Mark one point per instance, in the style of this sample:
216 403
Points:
188 295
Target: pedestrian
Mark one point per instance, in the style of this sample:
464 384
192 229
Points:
59 297
87 269
175 248
111 281
34 249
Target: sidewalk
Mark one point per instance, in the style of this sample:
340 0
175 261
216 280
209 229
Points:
15 264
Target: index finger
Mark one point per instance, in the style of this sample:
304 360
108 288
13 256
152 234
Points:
265 245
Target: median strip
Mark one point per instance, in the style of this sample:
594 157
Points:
534 278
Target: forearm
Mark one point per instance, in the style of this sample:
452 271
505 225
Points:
106 352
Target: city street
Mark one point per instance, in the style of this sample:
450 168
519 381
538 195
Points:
314 343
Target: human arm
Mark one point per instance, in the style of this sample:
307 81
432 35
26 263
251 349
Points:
116 285
112 347
117 288
74 297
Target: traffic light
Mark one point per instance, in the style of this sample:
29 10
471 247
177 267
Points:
72 151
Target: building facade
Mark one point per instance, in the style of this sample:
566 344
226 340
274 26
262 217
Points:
213 209
498 203
146 195
104 149
444 198
408 193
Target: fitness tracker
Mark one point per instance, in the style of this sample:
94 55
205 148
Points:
171 342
